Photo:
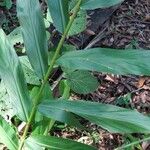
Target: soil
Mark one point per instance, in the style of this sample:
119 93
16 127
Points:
123 26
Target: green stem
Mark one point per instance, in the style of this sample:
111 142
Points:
37 99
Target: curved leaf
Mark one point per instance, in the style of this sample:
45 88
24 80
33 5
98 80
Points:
59 10
114 119
94 4
13 78
108 60
55 143
8 135
34 34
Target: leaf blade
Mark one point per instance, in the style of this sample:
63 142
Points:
55 143
13 78
32 23
108 60
94 4
8 135
59 9
82 82
112 118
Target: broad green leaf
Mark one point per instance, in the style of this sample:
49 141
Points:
8 135
29 73
34 34
54 143
94 4
6 110
82 82
58 115
112 118
13 77
79 23
59 10
108 60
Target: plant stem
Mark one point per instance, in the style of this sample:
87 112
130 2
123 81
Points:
37 99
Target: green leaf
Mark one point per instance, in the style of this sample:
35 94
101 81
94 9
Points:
41 125
82 82
108 60
12 75
30 75
63 116
112 118
94 4
55 143
59 10
8 135
79 23
34 34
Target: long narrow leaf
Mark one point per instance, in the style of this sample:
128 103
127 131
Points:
59 10
108 60
55 143
93 4
34 34
114 119
8 135
12 75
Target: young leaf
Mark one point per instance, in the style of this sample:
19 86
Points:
8 135
59 10
12 75
82 82
34 34
55 143
94 4
114 119
108 60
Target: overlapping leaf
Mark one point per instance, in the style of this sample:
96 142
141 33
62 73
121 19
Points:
34 34
114 119
93 4
82 82
55 143
8 135
30 75
59 10
79 23
108 60
12 74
